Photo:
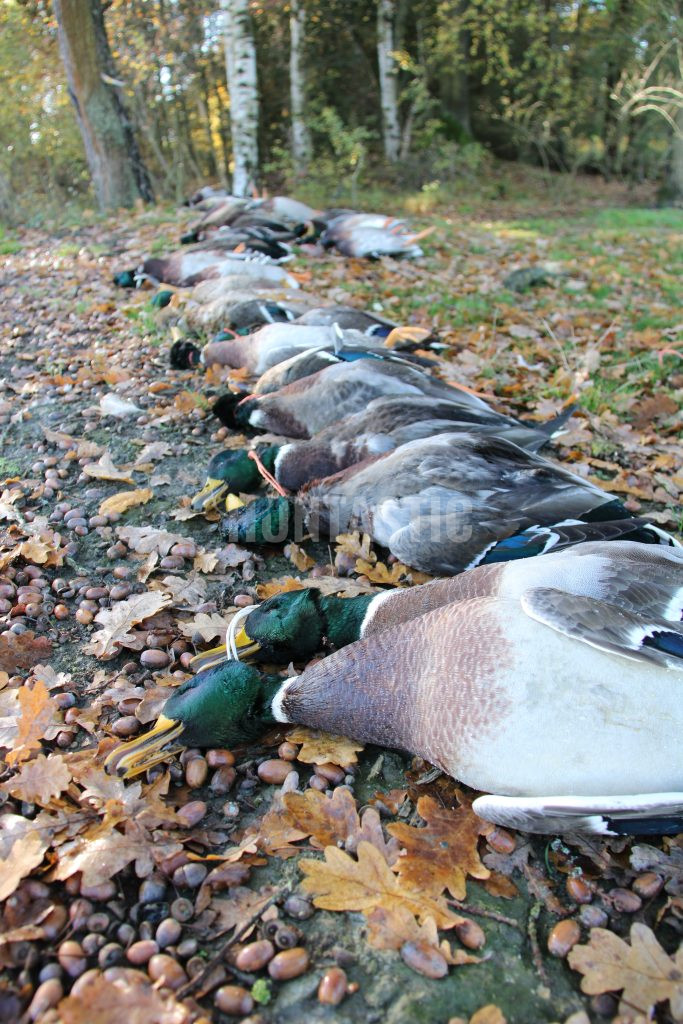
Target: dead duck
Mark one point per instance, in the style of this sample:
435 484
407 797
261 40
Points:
463 686
442 505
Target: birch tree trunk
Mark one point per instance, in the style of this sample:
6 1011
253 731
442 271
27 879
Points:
240 65
301 139
388 79
118 173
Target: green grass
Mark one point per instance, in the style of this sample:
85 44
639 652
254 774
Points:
8 245
9 468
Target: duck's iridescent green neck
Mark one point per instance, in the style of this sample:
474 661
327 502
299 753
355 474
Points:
343 618
228 705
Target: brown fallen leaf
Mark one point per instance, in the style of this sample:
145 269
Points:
342 883
106 470
276 833
117 622
281 586
205 561
210 627
26 854
399 573
145 539
20 652
323 748
298 557
128 998
390 928
243 905
356 545
331 821
441 855
124 500
643 972
38 710
489 1014
40 780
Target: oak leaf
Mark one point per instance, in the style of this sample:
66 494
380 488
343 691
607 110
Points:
441 855
26 853
40 780
205 561
645 973
209 626
106 470
20 652
323 748
298 557
399 573
390 928
118 621
109 1002
243 905
189 590
278 586
331 821
124 500
145 539
37 715
342 883
276 832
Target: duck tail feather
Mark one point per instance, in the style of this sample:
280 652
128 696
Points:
636 814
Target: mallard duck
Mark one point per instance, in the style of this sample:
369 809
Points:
187 268
273 343
295 625
308 405
386 424
371 235
441 505
209 306
595 720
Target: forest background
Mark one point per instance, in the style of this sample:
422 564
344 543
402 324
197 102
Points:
416 95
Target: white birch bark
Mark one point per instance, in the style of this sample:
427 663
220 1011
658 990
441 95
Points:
240 66
301 139
388 79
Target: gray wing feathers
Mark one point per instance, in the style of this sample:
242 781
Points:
616 630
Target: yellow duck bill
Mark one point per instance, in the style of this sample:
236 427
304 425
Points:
242 648
209 496
143 752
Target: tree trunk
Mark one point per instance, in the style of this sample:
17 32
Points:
388 75
118 173
240 64
671 193
301 139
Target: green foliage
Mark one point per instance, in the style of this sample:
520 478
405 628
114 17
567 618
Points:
563 86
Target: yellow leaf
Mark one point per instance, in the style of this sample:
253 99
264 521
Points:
323 747
298 557
37 713
342 883
125 499
106 470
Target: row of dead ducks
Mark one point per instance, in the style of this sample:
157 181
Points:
253 239
360 435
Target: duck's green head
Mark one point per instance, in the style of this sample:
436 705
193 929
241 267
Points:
286 626
223 707
230 473
264 521
125 279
